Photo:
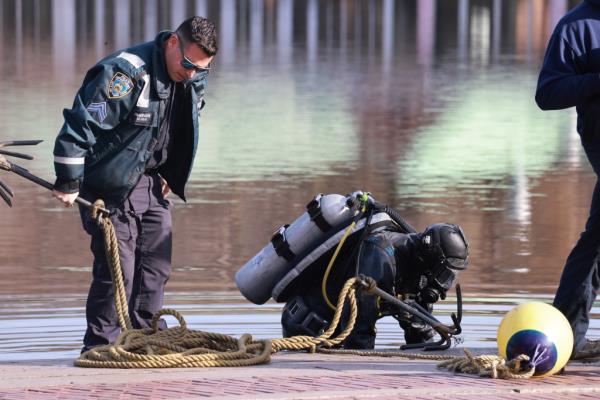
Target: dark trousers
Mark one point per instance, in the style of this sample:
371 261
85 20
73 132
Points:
579 281
143 229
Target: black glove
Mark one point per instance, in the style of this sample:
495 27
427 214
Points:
415 330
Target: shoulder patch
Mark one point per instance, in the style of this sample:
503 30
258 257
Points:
119 86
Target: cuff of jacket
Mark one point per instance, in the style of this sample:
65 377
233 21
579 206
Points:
67 186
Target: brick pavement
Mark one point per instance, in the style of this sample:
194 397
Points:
290 376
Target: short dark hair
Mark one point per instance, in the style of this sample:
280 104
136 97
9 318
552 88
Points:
200 31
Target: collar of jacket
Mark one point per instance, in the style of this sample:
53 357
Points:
594 2
162 82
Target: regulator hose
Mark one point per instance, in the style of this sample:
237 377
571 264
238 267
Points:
396 217
333 258
361 241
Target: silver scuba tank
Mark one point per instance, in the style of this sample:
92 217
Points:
288 284
257 278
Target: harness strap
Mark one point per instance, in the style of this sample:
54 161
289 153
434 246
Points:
316 215
281 245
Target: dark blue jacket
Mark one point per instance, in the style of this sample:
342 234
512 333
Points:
570 75
112 129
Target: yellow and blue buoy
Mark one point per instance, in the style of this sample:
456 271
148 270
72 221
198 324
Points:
540 331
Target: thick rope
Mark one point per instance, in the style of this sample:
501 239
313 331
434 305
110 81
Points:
490 365
180 347
484 365
176 347
111 249
395 354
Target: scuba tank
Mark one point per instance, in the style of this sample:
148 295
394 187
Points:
315 263
257 278
300 248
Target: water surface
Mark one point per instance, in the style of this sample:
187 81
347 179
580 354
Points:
427 104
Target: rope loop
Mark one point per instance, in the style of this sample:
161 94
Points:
167 311
95 212
491 366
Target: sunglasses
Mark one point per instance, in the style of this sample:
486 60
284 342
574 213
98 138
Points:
187 64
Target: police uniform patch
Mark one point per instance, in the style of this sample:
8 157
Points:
98 111
120 85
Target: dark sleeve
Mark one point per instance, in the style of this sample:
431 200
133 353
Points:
102 102
564 81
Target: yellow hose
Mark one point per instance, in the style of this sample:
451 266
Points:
332 261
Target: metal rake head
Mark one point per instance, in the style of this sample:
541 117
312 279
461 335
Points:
5 191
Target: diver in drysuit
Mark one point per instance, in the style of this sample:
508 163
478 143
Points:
416 267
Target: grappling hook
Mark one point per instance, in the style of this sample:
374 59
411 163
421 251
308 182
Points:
5 191
445 331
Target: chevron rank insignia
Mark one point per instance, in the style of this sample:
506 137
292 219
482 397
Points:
98 111
120 85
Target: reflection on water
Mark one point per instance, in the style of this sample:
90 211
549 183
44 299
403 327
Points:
428 104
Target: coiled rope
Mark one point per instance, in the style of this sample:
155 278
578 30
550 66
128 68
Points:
181 347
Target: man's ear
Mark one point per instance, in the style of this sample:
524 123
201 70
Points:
172 40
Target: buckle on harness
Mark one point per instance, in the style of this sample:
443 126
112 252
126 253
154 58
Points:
316 214
300 320
281 245
314 324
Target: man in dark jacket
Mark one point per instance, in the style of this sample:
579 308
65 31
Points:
570 77
129 139
417 267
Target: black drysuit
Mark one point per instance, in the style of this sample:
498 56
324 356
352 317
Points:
393 260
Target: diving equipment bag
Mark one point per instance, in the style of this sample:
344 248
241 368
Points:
296 248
